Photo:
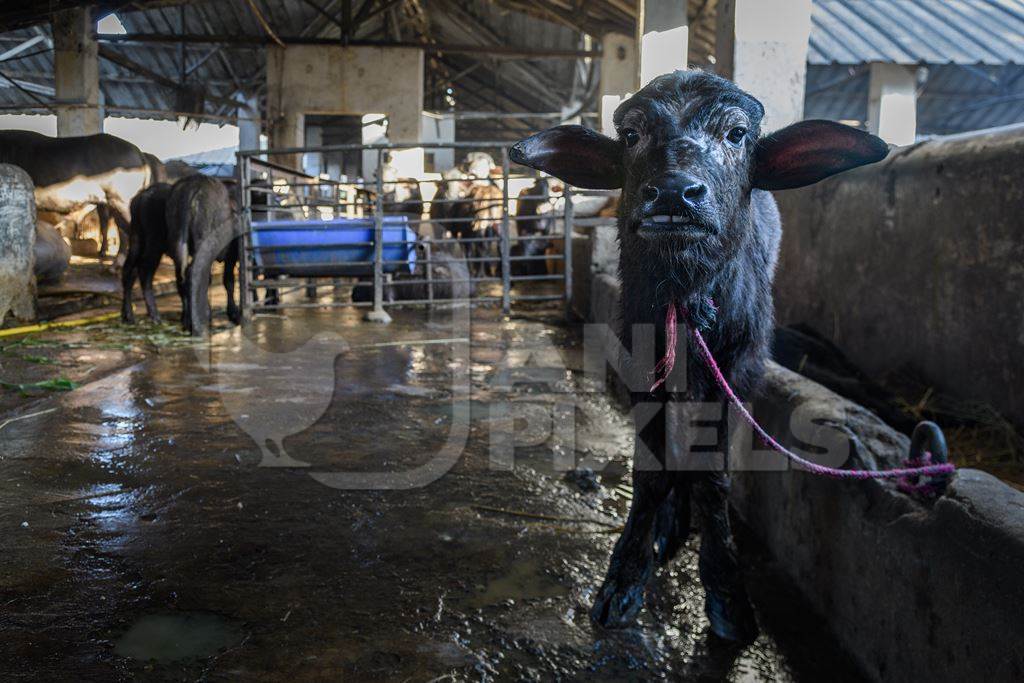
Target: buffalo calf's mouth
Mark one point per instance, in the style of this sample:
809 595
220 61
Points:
664 224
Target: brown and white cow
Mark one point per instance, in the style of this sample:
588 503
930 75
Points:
72 174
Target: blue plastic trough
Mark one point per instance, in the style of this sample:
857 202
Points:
341 247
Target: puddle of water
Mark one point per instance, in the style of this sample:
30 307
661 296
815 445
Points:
523 581
170 637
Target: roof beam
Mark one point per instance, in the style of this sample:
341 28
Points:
21 47
505 51
25 86
126 63
324 13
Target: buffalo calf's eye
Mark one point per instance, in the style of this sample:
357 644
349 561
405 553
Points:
736 135
630 136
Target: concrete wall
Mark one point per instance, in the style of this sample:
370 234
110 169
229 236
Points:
913 592
920 260
317 79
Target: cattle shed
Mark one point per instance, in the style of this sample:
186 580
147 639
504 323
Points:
511 340
541 59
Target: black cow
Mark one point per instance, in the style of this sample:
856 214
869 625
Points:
147 244
698 229
197 206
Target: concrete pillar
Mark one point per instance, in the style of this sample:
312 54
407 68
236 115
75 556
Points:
762 46
334 166
440 128
618 64
313 162
892 102
248 123
375 130
288 130
664 36
76 74
619 72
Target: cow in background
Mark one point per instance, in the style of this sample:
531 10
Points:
147 244
197 206
448 204
486 202
403 198
73 173
533 219
471 207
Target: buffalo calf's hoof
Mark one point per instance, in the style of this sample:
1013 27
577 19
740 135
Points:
731 616
617 607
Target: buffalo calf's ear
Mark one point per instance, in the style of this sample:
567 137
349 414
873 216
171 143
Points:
577 155
809 151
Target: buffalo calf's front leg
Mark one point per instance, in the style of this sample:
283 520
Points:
622 594
725 599
672 523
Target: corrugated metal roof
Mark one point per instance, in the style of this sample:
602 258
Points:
977 34
953 98
917 31
218 162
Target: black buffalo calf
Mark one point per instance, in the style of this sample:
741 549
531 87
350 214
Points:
199 206
699 232
147 243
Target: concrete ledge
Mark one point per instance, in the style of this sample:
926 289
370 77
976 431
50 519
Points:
912 592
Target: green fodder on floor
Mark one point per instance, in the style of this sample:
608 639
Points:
62 359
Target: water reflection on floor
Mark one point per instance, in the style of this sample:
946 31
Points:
140 534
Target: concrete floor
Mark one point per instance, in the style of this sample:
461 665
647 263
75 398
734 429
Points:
140 535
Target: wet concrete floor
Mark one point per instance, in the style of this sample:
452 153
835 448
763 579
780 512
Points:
326 499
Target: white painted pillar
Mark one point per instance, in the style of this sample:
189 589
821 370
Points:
76 74
892 102
762 46
664 37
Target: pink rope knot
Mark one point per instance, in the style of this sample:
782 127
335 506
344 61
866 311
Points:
911 484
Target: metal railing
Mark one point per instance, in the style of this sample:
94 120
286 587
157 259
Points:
381 242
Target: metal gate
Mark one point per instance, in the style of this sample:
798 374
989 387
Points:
312 242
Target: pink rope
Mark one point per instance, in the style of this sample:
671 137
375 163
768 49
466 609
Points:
669 360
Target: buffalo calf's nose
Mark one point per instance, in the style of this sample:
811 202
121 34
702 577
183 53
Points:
694 192
675 192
